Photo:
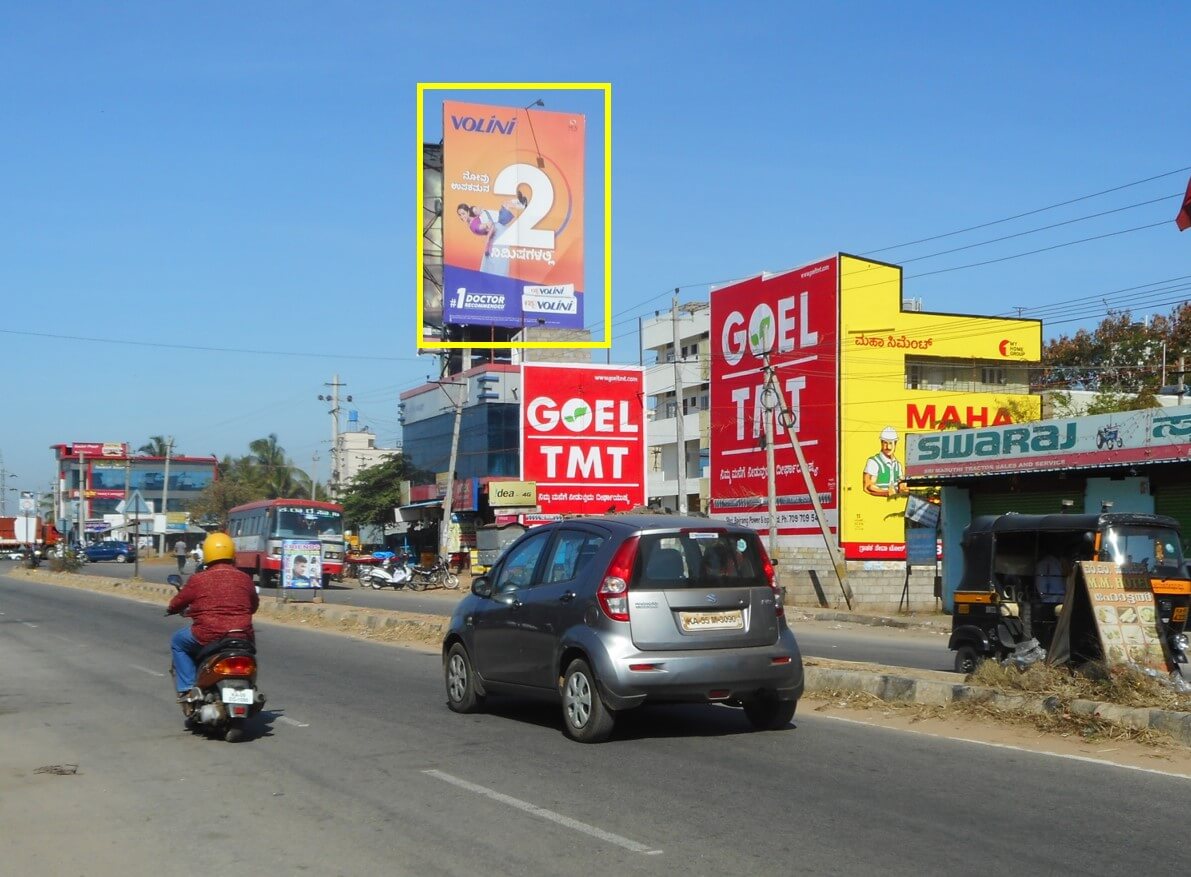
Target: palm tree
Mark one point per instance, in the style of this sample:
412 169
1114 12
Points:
157 446
279 476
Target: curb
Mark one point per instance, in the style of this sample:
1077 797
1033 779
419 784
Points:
870 620
908 689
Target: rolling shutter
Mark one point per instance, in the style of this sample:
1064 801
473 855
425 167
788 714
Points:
1046 502
1174 500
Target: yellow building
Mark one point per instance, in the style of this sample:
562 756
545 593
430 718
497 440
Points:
903 370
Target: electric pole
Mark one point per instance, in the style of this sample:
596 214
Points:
165 493
679 435
4 476
333 398
772 402
314 475
458 401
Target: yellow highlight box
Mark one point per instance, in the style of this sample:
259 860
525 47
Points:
606 88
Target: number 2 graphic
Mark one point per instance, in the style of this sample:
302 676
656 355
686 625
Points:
540 201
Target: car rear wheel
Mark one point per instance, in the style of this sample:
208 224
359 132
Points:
769 713
461 684
121 558
585 717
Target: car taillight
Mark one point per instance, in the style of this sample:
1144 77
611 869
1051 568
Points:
613 592
240 665
771 577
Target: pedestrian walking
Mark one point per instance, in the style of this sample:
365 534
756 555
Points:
180 553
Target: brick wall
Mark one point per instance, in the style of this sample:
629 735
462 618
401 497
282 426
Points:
873 589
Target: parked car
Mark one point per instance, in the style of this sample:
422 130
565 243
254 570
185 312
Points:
604 614
121 552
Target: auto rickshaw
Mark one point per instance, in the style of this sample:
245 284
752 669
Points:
1019 573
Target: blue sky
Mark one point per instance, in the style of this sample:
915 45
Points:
239 177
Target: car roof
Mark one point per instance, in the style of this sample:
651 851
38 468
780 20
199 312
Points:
656 522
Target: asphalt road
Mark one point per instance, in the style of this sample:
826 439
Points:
901 648
357 767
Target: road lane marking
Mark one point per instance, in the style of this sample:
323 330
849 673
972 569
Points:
293 722
535 810
1104 762
145 670
28 624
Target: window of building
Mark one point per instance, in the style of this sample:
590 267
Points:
992 375
671 409
914 376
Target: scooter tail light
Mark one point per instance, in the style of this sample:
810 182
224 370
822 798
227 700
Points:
613 592
238 665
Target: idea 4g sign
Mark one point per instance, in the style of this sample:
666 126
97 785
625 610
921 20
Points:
583 436
512 216
792 317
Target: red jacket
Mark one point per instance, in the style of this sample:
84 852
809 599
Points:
221 599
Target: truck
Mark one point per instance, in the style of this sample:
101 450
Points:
17 533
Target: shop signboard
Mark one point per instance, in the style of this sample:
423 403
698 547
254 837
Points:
1125 614
792 319
583 436
513 206
1152 435
506 494
100 449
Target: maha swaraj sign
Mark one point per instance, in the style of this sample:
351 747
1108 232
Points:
512 216
792 317
583 437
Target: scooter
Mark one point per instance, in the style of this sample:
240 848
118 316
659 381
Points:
391 573
226 680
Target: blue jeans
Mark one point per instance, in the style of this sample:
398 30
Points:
184 647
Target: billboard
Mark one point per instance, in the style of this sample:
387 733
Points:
906 372
793 318
512 216
583 436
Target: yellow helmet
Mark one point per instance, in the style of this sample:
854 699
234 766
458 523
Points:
218 546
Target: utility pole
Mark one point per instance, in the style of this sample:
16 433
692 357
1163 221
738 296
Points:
4 476
314 475
80 511
165 494
1182 377
679 435
333 398
448 500
772 402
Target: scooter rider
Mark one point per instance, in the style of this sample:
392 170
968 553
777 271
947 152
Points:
221 599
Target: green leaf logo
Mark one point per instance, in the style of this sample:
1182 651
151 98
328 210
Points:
580 411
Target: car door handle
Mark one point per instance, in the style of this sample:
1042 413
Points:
567 597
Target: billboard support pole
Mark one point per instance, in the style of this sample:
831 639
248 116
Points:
772 400
448 500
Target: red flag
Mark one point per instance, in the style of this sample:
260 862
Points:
1183 220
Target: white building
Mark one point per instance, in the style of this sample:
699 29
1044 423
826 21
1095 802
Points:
357 450
663 369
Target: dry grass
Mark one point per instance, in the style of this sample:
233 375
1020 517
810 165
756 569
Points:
1061 722
1124 686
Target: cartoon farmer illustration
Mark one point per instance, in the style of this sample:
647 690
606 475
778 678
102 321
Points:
883 474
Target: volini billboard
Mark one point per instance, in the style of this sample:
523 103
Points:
512 216
793 318
583 436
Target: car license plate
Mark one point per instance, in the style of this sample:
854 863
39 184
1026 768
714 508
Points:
733 620
238 695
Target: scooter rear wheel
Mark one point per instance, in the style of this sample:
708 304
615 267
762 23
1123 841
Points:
235 731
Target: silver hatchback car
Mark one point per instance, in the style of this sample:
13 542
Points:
605 614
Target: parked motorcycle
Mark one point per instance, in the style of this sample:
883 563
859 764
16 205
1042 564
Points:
226 678
393 573
437 575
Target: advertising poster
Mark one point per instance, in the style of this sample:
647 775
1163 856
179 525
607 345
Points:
512 216
792 317
583 437
906 372
1126 618
301 563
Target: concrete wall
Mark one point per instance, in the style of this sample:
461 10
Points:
876 585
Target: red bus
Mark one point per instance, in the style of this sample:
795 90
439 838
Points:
258 529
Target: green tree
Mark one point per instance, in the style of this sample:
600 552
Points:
1121 357
376 491
219 497
280 478
157 446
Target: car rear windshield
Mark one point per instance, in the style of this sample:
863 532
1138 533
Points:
699 559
